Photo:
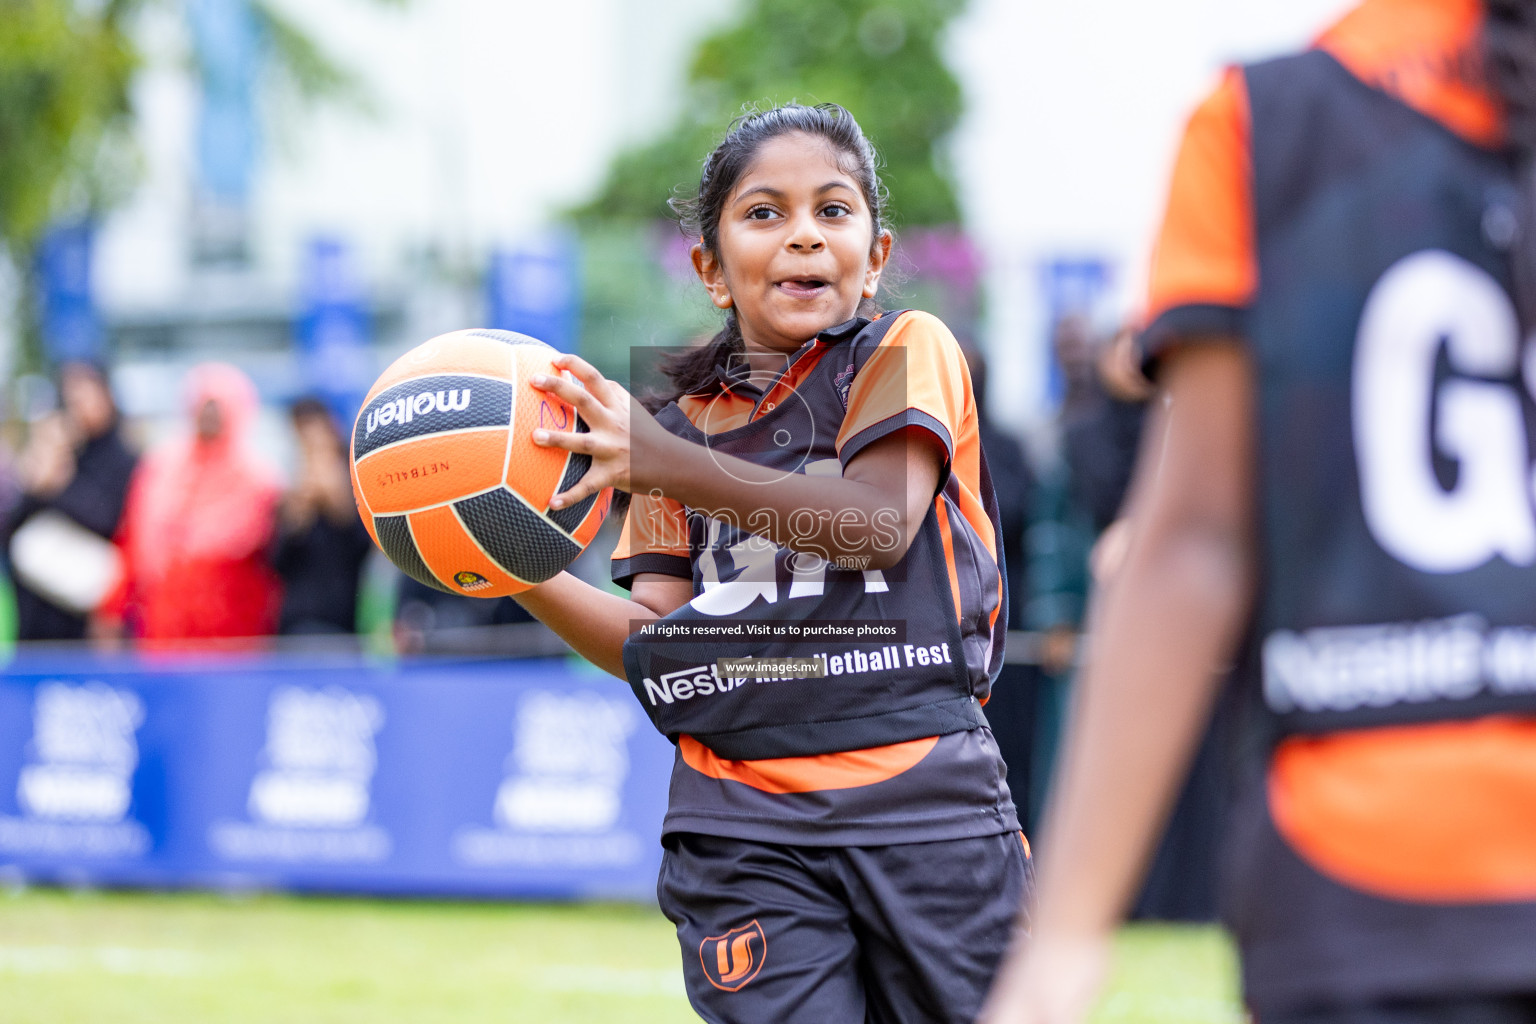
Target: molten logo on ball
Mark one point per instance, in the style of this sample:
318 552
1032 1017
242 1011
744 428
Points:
403 410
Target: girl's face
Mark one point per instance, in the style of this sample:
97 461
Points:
795 254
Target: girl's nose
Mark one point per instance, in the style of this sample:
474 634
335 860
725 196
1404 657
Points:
806 236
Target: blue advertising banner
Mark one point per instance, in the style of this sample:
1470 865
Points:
71 326
1072 286
226 38
536 778
332 327
534 289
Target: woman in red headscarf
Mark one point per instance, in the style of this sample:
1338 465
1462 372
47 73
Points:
200 515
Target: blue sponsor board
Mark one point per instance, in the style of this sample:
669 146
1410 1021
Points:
332 327
226 39
534 289
1073 286
71 326
536 778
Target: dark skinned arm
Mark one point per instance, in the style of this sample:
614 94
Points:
1160 632
596 623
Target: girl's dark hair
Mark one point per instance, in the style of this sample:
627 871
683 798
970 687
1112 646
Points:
693 372
1509 50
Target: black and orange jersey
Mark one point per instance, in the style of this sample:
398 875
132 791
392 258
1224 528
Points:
1346 214
890 746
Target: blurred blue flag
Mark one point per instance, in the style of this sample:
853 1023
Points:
1073 286
332 327
70 324
534 289
227 39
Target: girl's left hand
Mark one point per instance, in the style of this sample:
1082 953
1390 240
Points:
613 420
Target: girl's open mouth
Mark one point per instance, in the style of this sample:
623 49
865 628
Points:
802 288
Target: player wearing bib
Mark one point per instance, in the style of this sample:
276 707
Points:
1343 498
839 846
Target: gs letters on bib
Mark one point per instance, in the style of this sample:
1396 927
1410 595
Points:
1395 407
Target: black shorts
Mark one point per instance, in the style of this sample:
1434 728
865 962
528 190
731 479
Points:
1469 1010
775 934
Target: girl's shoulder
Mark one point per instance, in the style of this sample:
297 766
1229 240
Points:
920 337
915 363
917 327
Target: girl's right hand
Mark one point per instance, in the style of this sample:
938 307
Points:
621 434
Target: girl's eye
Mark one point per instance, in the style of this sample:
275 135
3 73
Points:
760 213
835 210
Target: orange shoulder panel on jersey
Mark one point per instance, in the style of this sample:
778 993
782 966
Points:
918 366
846 770
1444 812
1204 254
1427 53
654 525
918 376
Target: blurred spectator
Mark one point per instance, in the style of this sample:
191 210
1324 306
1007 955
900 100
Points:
1101 417
1127 390
198 524
74 474
1011 709
1012 479
1062 526
1078 499
321 542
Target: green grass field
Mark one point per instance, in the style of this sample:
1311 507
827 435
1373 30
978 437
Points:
125 958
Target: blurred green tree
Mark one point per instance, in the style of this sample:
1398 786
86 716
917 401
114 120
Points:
64 78
66 116
878 58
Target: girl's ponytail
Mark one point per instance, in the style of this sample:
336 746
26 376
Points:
692 371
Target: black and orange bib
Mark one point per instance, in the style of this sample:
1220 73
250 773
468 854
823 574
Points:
1395 412
1391 663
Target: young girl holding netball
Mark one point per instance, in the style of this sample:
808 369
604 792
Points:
842 847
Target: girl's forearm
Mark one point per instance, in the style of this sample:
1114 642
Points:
594 622
1159 638
851 520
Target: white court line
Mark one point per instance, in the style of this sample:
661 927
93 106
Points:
617 981
123 960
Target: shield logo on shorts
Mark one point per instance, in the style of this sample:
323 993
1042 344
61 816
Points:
733 959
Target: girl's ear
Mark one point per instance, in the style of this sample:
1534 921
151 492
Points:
879 255
707 266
